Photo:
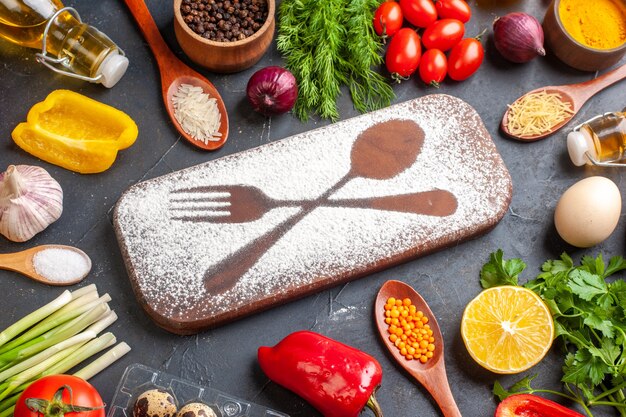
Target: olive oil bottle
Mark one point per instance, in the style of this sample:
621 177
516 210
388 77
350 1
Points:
599 141
67 45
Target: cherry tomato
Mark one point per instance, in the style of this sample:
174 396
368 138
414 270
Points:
388 19
453 9
82 394
403 54
443 34
465 58
433 67
420 13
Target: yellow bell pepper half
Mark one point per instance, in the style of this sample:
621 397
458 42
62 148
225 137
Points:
75 132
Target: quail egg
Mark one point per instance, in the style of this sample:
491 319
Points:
155 403
196 410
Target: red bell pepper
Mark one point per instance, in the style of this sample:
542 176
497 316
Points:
336 379
528 405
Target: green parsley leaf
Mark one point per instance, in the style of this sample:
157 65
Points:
589 263
617 289
586 285
499 272
554 266
616 264
500 392
522 386
609 352
598 322
584 368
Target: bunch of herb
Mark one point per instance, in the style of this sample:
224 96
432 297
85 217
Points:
328 44
589 313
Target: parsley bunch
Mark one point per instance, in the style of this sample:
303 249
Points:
330 43
590 318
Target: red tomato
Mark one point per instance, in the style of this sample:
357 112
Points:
465 58
83 394
443 34
433 67
453 9
403 54
388 19
420 13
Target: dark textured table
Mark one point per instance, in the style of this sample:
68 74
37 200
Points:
225 358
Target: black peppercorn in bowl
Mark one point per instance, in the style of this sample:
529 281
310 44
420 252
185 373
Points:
224 36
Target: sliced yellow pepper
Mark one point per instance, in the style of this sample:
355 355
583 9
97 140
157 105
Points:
75 132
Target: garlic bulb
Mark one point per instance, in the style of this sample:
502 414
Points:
30 200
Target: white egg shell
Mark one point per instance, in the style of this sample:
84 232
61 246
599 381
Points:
588 212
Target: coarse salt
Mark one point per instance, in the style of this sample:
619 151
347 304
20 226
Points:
61 265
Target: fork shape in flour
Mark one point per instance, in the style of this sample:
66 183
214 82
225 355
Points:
244 203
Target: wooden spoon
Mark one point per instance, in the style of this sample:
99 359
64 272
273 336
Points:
574 94
22 262
174 73
432 374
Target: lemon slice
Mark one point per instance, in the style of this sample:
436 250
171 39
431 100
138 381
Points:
507 329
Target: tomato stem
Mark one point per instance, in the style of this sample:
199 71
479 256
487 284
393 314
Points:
399 78
481 34
57 407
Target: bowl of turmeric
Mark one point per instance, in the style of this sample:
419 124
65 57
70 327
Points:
586 35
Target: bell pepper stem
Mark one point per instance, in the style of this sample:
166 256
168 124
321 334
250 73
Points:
373 405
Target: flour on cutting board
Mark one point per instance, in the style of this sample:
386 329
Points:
169 258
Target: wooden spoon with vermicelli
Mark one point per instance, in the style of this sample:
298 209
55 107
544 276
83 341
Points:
574 95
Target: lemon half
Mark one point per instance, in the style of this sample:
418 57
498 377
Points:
507 329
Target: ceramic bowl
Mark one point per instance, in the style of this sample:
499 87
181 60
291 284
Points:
224 57
570 51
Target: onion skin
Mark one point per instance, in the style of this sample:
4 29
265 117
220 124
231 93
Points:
272 91
518 37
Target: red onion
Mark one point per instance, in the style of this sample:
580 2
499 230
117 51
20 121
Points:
518 37
272 90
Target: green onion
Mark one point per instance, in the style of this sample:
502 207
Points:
41 356
54 339
34 317
103 361
63 315
10 385
54 336
84 352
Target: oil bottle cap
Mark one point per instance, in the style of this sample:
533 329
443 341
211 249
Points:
577 146
112 69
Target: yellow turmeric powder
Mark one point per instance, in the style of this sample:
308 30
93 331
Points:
599 24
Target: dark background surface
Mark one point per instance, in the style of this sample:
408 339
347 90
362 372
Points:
225 358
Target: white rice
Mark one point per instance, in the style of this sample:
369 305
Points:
197 113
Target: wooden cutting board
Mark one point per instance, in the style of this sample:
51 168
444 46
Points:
231 237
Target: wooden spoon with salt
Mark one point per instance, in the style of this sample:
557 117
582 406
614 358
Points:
174 73
576 95
56 270
432 374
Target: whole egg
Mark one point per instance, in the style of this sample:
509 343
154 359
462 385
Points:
588 212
